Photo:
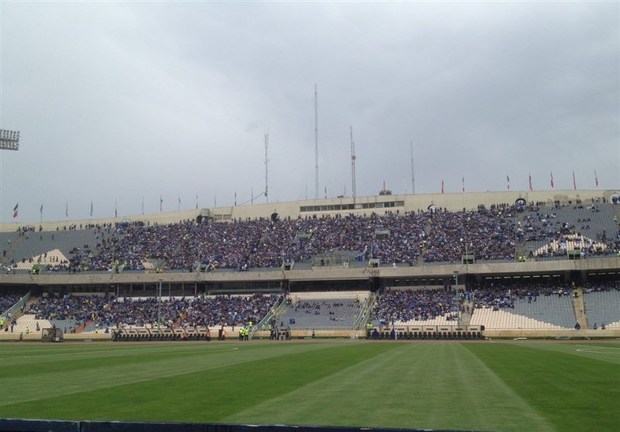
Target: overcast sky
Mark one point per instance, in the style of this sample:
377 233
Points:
122 103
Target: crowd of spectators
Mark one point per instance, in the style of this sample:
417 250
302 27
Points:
601 285
559 222
402 305
503 295
436 235
78 308
105 312
7 301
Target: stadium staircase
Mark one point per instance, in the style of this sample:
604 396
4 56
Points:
579 307
263 324
82 327
365 314
466 313
521 249
427 231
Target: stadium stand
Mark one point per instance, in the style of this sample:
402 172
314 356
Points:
88 278
315 310
603 307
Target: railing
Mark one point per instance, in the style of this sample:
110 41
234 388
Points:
17 306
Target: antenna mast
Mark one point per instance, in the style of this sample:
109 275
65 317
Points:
266 167
353 157
412 172
316 143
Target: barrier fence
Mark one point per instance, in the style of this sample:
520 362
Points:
20 425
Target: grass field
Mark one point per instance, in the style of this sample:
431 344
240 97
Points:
522 386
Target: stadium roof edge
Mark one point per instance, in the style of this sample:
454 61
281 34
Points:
379 204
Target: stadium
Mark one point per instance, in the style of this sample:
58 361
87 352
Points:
525 279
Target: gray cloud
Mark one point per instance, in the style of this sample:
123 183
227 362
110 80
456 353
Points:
120 101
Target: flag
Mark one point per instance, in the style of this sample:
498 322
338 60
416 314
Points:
115 209
574 182
179 203
463 184
552 184
16 211
67 209
595 179
507 183
41 211
442 186
161 203
196 202
530 181
91 209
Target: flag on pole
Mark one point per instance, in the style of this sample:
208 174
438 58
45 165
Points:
91 209
574 182
463 184
161 203
507 183
66 209
41 211
179 204
115 209
595 179
16 211
552 184
196 202
530 182
442 186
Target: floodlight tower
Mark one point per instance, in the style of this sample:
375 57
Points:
456 296
353 158
316 142
159 307
266 167
412 172
9 140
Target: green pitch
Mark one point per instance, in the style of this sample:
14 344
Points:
524 386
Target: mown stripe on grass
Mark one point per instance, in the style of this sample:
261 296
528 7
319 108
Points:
206 395
609 353
156 363
414 386
572 392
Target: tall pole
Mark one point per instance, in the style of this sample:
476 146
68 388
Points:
456 283
316 143
266 167
159 308
353 157
412 172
